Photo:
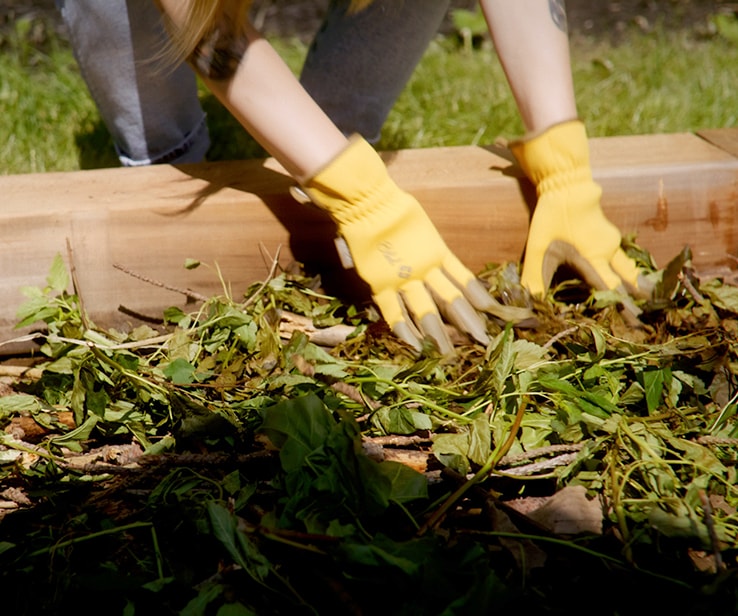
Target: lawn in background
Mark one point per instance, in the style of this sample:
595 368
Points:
649 82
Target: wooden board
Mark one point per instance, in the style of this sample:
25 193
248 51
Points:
725 138
669 190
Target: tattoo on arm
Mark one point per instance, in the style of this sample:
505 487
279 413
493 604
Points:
558 14
219 53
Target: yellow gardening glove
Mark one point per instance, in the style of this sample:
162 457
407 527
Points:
396 250
568 225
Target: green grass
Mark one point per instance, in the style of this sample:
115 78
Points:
665 81
48 115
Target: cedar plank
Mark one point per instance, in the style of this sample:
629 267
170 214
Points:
232 214
725 138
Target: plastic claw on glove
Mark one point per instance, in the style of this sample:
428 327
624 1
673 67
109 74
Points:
398 252
568 224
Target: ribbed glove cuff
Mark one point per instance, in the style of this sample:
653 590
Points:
353 186
556 158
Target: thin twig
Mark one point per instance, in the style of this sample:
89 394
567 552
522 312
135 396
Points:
559 336
710 524
330 336
687 283
26 338
113 346
717 440
98 534
20 372
188 293
536 467
76 287
305 368
398 440
540 452
481 474
270 275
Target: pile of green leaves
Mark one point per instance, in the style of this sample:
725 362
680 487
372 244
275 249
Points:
256 492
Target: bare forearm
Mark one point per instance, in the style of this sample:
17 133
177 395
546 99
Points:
267 99
532 43
269 102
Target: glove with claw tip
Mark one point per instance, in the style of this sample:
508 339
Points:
397 250
568 225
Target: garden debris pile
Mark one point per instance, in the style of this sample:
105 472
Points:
283 453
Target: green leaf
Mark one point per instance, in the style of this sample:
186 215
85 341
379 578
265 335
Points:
333 370
174 315
605 298
670 278
328 477
71 439
6 546
452 450
164 445
180 371
156 586
401 420
480 439
36 308
58 276
588 401
234 609
241 548
408 557
18 403
97 401
247 334
696 384
297 427
406 484
527 354
685 524
653 385
699 454
599 340
505 361
198 605
721 295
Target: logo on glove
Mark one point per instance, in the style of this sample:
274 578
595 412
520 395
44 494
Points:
393 258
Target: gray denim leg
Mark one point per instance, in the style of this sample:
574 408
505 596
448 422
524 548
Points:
151 110
358 64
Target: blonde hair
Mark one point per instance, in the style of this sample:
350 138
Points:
203 17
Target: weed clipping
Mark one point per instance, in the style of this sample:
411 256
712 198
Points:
233 461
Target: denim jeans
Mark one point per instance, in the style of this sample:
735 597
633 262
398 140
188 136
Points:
355 69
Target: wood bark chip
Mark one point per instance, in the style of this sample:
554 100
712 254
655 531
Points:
330 336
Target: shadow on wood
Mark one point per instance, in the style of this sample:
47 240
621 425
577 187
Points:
667 190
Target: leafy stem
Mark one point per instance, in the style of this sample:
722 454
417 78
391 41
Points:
494 457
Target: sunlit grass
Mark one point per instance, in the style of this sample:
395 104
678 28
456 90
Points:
664 81
668 82
658 83
455 97
45 110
